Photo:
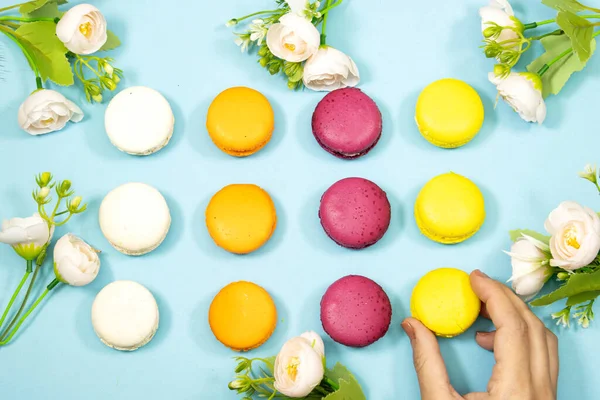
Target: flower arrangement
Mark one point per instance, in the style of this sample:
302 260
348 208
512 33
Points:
298 372
75 262
288 42
60 47
570 254
567 50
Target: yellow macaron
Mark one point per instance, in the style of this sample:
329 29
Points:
240 121
241 218
242 316
449 209
449 113
444 302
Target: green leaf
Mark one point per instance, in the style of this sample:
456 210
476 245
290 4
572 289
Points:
49 52
577 284
582 297
580 31
32 6
568 5
560 72
49 10
514 235
112 42
349 387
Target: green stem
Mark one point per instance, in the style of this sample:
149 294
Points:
16 293
331 383
51 286
331 7
61 213
15 38
64 222
11 7
84 62
23 19
14 320
56 208
533 25
557 32
10 24
256 13
325 18
565 53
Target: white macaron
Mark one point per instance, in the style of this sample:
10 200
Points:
139 121
134 218
125 315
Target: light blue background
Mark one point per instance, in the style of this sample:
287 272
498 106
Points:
182 49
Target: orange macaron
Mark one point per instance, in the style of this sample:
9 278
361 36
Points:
240 121
242 316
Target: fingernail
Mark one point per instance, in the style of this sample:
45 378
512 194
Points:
481 273
410 331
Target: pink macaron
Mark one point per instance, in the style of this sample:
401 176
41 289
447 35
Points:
347 123
355 213
355 311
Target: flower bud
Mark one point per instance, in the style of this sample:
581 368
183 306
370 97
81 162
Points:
491 32
590 173
44 179
236 384
263 62
231 22
108 68
491 51
43 193
501 70
263 51
508 57
108 83
64 188
562 276
93 90
76 202
116 78
97 98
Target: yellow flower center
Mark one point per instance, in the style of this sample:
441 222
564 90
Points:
292 368
47 121
571 238
86 29
290 46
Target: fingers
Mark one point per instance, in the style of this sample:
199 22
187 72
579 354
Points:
429 364
477 396
485 340
552 341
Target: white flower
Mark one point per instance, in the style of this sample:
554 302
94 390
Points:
298 368
315 341
523 92
530 266
330 69
501 13
76 263
293 38
575 234
82 29
258 31
46 111
27 236
590 173
243 43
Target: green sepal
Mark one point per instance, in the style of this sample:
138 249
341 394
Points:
28 251
516 234
57 274
577 284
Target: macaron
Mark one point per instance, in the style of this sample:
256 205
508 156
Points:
240 121
347 123
355 213
449 209
355 311
139 121
125 315
241 218
444 301
242 316
134 218
449 113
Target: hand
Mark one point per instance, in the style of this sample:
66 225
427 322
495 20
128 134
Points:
526 352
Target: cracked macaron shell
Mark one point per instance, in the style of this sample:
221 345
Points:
444 301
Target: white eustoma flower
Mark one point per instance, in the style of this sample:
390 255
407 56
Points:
27 236
500 12
330 69
46 111
523 92
294 38
82 29
530 266
76 263
315 341
575 234
298 368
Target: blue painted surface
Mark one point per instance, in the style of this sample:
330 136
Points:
186 53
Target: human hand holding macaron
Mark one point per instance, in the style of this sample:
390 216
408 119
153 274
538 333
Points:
526 352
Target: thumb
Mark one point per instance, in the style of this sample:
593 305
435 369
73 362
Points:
429 364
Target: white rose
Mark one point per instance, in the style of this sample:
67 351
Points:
523 92
46 111
315 341
76 263
575 234
330 69
293 38
27 236
530 266
82 29
298 368
500 12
